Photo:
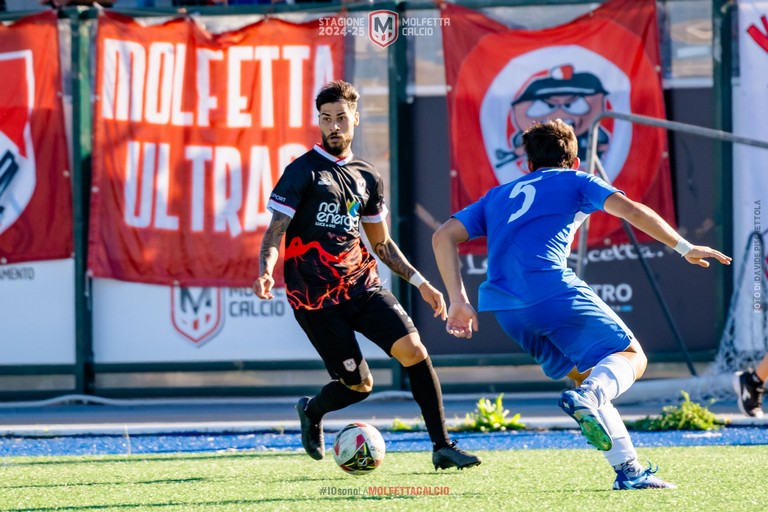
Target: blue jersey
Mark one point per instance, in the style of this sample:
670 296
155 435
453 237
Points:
530 224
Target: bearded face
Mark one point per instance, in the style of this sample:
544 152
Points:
337 127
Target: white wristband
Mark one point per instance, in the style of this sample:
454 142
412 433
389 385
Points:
683 246
417 279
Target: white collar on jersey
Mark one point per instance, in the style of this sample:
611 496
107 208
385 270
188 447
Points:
332 158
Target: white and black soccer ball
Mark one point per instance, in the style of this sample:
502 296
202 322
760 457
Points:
358 448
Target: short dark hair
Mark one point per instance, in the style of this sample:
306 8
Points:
338 90
550 144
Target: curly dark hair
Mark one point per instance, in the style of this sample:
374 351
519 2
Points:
338 90
550 144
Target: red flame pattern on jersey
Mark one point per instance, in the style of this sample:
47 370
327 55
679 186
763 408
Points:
344 272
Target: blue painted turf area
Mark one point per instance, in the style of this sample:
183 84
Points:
11 446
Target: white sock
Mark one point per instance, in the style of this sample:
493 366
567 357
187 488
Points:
611 377
623 450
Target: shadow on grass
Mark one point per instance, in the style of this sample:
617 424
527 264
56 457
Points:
248 503
175 457
96 484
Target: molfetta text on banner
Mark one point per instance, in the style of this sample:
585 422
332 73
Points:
501 81
191 132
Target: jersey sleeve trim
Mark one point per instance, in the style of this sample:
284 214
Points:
472 217
376 218
273 206
616 191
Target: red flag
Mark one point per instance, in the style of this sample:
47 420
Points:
501 81
192 130
35 186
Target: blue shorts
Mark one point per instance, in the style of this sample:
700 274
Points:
574 329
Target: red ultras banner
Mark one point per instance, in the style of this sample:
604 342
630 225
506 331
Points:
35 181
191 132
501 81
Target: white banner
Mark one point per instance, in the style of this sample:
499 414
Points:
141 323
750 173
38 311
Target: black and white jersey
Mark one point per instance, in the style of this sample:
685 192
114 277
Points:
326 262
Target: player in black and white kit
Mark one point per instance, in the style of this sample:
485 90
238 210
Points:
332 283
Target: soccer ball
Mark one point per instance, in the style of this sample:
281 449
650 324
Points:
358 448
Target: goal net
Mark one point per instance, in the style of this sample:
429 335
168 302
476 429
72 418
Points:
744 341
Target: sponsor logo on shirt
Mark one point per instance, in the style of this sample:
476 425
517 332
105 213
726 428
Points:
325 179
353 207
329 215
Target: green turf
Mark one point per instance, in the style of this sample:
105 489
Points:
709 479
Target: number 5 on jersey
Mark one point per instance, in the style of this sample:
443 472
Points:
528 190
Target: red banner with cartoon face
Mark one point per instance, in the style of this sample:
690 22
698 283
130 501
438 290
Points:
35 186
501 81
191 132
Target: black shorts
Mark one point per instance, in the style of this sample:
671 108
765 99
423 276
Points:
375 314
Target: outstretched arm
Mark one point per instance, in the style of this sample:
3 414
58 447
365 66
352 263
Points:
650 222
462 317
270 251
389 254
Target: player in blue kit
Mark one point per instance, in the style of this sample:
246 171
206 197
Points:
319 204
541 303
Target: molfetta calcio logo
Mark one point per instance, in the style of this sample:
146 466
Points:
17 156
383 27
197 312
200 314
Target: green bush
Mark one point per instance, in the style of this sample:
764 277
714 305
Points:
399 425
489 417
686 416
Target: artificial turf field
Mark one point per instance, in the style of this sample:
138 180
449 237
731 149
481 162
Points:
709 478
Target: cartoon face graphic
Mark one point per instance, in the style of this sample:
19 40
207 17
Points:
507 79
538 86
576 98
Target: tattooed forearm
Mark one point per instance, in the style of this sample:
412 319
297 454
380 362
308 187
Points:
270 244
389 253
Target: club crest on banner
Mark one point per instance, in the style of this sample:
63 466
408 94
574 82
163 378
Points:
197 312
17 156
383 27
